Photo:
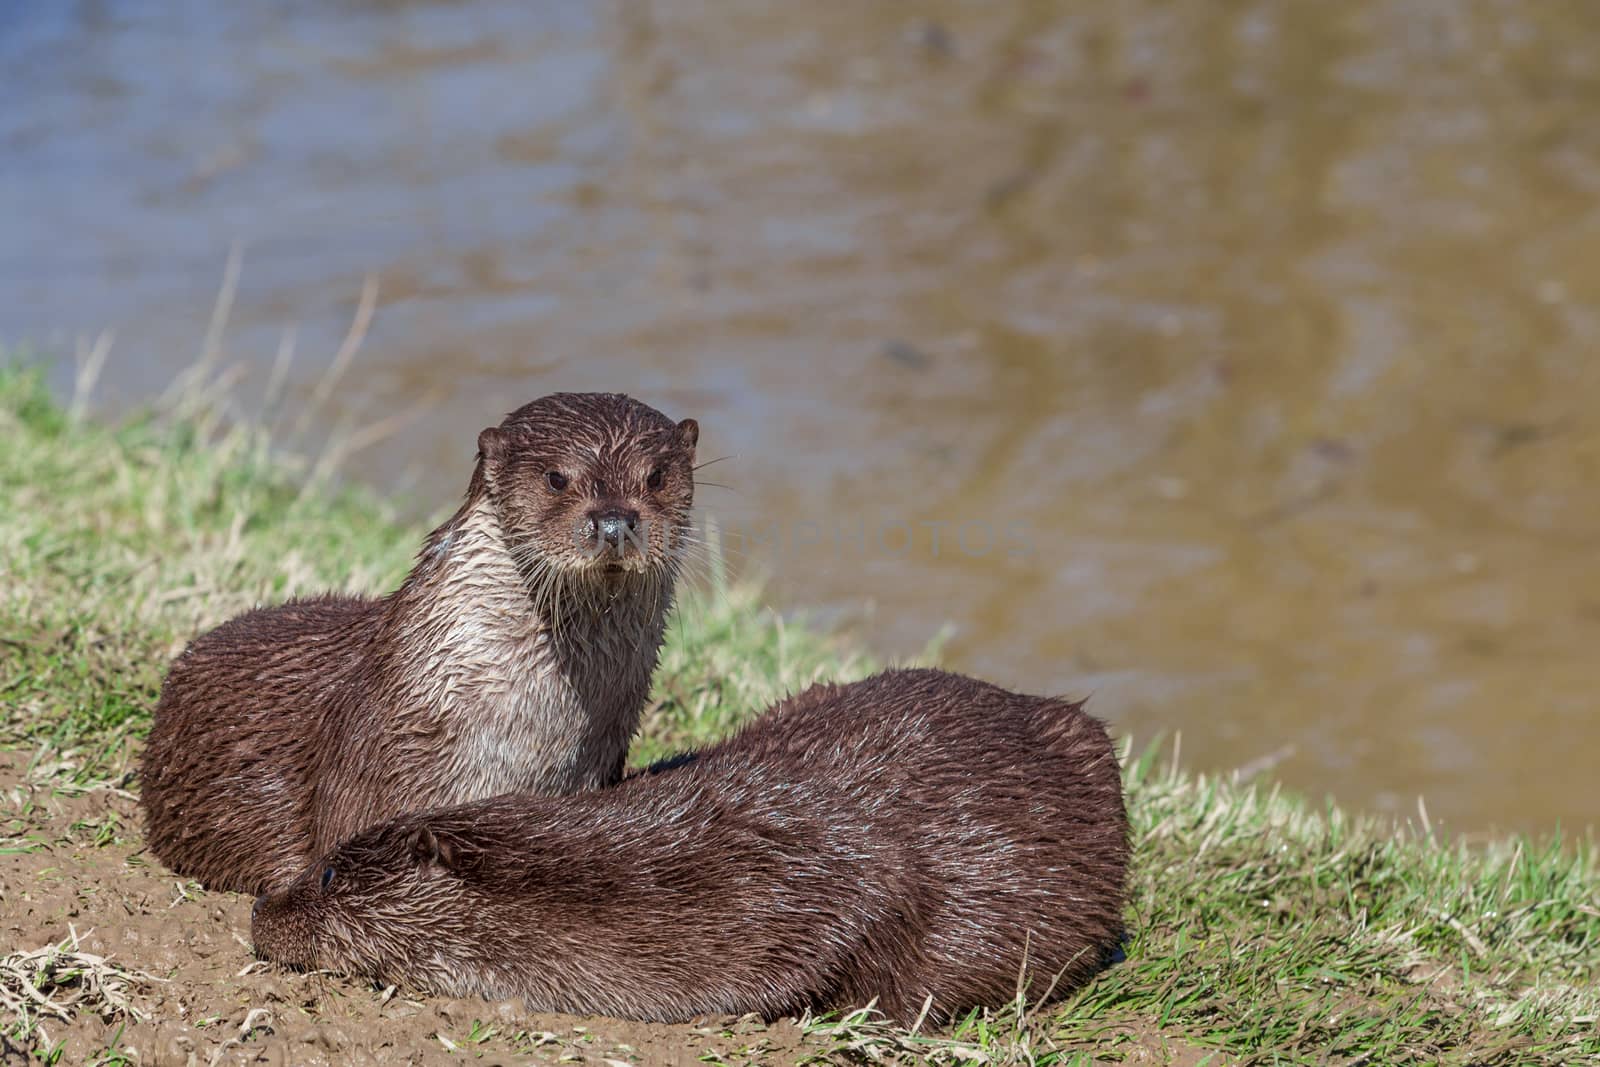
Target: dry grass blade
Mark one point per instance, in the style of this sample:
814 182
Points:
60 981
863 1036
91 361
256 1019
342 446
348 348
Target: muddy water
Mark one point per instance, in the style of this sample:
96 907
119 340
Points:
1236 363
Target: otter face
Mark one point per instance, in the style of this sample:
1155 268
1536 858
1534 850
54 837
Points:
383 904
591 485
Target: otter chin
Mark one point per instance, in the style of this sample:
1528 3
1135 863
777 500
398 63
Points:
921 840
516 656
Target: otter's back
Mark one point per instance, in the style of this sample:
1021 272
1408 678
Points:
1016 804
223 770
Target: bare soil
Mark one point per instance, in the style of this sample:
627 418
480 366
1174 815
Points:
72 867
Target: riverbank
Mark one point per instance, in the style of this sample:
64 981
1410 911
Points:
1264 928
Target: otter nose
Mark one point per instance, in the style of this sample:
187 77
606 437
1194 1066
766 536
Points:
614 526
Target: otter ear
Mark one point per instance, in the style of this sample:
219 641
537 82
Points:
689 432
431 851
491 444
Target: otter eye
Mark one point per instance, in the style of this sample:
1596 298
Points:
655 479
557 480
327 877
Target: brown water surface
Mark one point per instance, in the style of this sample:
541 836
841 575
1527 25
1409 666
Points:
1233 362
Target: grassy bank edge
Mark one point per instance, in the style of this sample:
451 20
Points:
1263 926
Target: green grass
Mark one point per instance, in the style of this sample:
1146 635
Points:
1263 929
1271 931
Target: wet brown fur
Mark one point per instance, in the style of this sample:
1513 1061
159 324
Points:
918 833
514 656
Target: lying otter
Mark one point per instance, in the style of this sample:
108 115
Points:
517 655
915 835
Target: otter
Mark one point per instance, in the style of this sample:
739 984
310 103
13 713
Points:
516 656
915 837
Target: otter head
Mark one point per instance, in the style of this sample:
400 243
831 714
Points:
386 903
590 488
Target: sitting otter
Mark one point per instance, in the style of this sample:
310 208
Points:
915 836
516 655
